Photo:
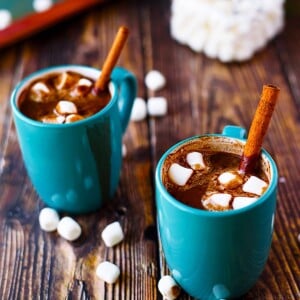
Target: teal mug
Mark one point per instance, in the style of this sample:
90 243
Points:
75 167
216 255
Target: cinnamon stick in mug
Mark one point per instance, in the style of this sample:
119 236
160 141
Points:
259 128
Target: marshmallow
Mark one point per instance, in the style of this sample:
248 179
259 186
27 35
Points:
255 185
230 179
179 175
168 287
195 160
65 107
139 110
53 119
157 106
218 199
108 272
83 87
155 80
240 202
5 18
112 234
73 118
48 219
41 5
69 229
38 92
124 150
64 80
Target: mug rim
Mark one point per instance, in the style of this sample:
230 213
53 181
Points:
51 69
206 213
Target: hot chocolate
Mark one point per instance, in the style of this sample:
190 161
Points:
208 178
62 98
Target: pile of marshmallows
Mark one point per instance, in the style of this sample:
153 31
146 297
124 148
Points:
229 179
112 235
230 30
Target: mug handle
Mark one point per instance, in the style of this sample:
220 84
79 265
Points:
235 132
127 85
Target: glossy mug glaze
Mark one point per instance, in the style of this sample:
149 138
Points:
75 167
216 255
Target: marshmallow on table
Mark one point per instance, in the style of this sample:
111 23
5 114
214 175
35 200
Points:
226 29
124 150
168 287
218 200
112 234
157 106
255 185
108 272
155 80
195 160
179 174
65 107
240 202
48 219
230 179
5 18
69 229
139 110
38 91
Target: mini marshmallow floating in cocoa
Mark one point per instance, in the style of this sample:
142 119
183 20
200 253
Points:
258 128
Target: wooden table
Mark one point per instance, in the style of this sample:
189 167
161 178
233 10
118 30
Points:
203 96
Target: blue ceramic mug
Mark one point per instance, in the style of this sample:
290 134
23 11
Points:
75 167
216 255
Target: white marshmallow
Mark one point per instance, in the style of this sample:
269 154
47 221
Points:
155 80
112 234
65 107
195 160
219 199
255 185
240 202
69 229
53 119
108 272
139 110
41 5
157 106
48 219
38 91
64 80
5 18
124 150
84 82
230 179
179 174
73 118
168 287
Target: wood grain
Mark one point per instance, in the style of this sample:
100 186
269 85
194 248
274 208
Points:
203 95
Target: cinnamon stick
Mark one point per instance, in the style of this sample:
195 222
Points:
111 59
259 128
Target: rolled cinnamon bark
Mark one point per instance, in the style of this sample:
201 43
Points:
259 128
111 59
